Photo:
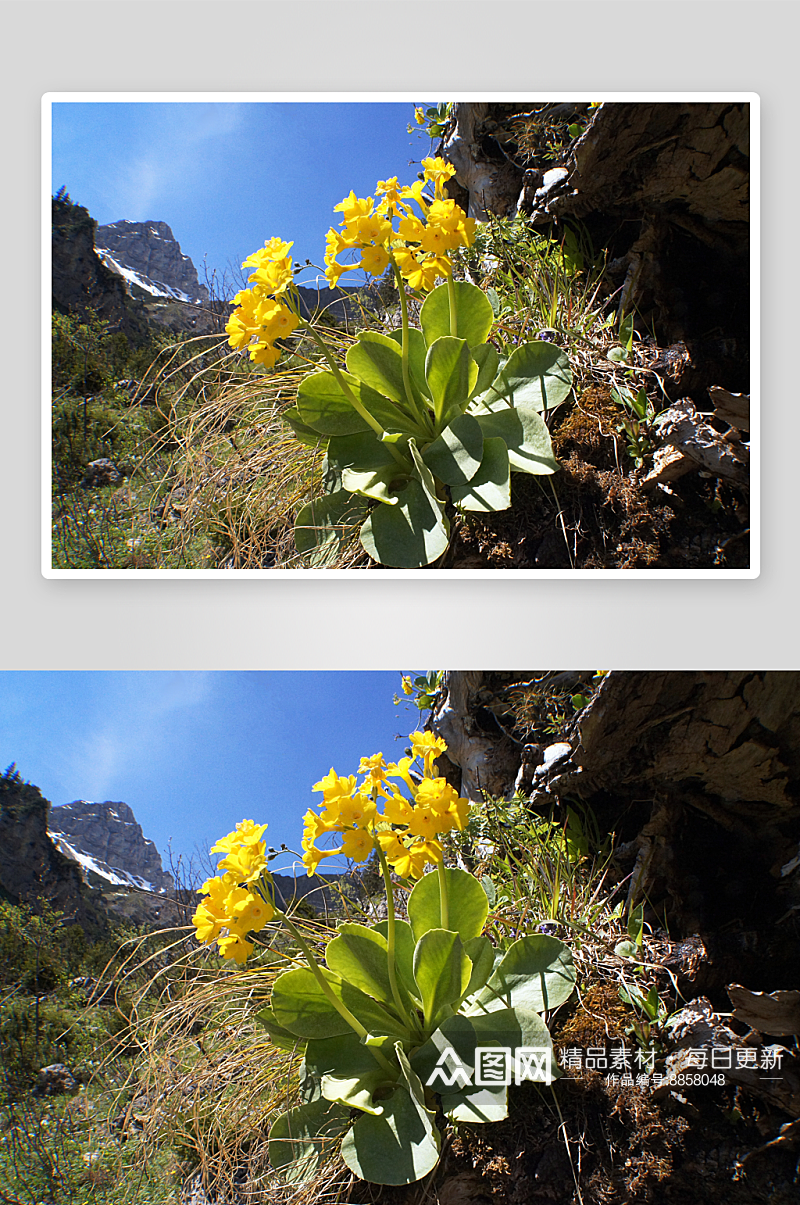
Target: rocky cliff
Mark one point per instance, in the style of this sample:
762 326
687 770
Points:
148 256
81 281
31 867
108 843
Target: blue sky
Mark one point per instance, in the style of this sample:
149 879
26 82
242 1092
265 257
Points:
228 176
193 752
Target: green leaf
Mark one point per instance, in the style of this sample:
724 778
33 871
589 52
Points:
322 406
442 970
536 973
344 1055
347 1070
451 374
359 955
417 351
473 311
299 1137
525 435
301 1006
366 465
468 906
480 952
486 357
305 434
401 1144
323 525
456 455
377 361
463 1099
409 535
404 946
490 488
536 374
279 1036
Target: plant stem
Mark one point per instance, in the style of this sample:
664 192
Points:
444 907
390 934
340 1007
451 293
401 289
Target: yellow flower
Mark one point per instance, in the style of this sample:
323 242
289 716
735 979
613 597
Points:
334 787
279 321
357 844
438 172
207 923
235 947
402 769
356 811
264 353
315 826
427 746
390 190
247 832
374 260
274 248
408 686
371 229
397 810
274 276
252 913
246 862
354 207
422 274
411 228
374 766
313 856
419 116
412 861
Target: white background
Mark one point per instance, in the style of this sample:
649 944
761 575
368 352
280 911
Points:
429 49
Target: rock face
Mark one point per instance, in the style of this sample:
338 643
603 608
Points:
81 281
107 841
31 867
148 255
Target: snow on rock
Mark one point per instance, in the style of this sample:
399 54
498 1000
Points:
106 840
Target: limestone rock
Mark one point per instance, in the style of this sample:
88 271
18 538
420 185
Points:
55 1080
149 256
106 839
31 868
81 281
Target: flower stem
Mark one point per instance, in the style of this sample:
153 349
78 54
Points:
340 1007
390 934
444 904
351 397
401 289
451 293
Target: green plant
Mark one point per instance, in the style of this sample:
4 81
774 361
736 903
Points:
394 1024
421 418
538 870
423 689
637 422
434 119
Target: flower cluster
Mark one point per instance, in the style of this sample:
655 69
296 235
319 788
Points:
237 901
261 316
405 831
418 246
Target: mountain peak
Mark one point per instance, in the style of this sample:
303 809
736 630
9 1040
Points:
108 842
149 257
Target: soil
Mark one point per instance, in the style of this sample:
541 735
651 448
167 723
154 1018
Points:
596 513
592 1142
